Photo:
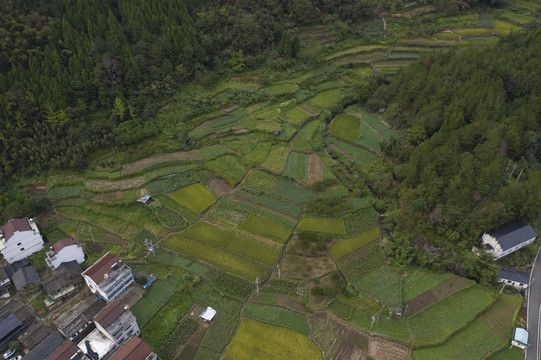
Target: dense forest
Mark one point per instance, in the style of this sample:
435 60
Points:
74 70
471 159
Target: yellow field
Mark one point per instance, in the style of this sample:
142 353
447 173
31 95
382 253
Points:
255 340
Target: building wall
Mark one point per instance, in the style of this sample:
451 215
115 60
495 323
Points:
21 245
122 329
67 254
115 286
515 284
496 248
515 248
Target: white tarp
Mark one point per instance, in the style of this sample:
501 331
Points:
208 314
521 336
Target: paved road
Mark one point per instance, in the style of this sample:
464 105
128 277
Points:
534 310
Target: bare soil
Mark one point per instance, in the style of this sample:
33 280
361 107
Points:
306 268
97 247
108 196
218 187
35 189
160 158
111 239
315 169
291 302
126 184
434 295
381 349
415 11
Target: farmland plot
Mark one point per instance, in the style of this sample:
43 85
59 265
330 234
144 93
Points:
374 122
323 225
362 262
278 316
363 156
279 205
260 182
383 284
222 259
419 281
325 99
266 227
296 115
276 160
195 197
434 325
343 247
229 168
157 296
297 166
289 191
279 343
202 231
368 138
345 127
441 291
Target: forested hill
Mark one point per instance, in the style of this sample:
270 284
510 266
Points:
472 116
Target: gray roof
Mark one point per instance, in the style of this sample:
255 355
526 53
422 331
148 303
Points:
80 317
3 274
66 274
10 325
20 310
24 276
45 348
34 334
513 234
514 275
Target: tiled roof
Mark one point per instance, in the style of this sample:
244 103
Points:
103 266
64 351
60 244
25 275
514 275
108 315
15 225
133 349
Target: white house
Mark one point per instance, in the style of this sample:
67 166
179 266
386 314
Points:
507 239
518 279
20 238
65 250
114 325
109 277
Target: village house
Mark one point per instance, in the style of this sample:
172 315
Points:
45 347
135 349
15 317
109 277
518 279
64 280
77 322
5 284
20 238
508 239
114 325
65 250
26 279
34 334
67 351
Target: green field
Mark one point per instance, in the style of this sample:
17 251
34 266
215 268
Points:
325 99
195 197
364 157
275 315
345 127
281 89
296 115
289 191
276 160
260 182
229 168
221 259
266 227
203 231
368 138
279 343
279 205
345 246
382 284
296 166
323 225
374 122
472 31
419 281
502 27
434 325
362 262
158 294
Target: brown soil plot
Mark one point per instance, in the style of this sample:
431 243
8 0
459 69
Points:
160 158
381 349
218 187
434 295
108 196
315 169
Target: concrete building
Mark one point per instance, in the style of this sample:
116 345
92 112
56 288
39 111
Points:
109 277
114 325
67 351
518 279
77 322
64 280
20 238
507 239
65 250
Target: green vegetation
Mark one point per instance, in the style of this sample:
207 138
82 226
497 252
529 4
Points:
266 227
169 184
362 262
289 191
179 337
281 89
260 182
420 281
279 205
279 343
343 247
297 166
345 127
157 295
323 225
279 316
384 285
504 27
222 259
205 232
195 197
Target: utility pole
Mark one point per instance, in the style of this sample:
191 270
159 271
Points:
257 284
90 230
278 266
54 208
519 175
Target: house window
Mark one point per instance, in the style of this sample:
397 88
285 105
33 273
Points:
521 284
19 244
509 281
22 249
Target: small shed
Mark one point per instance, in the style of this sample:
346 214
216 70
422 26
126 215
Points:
520 338
518 279
144 199
208 314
